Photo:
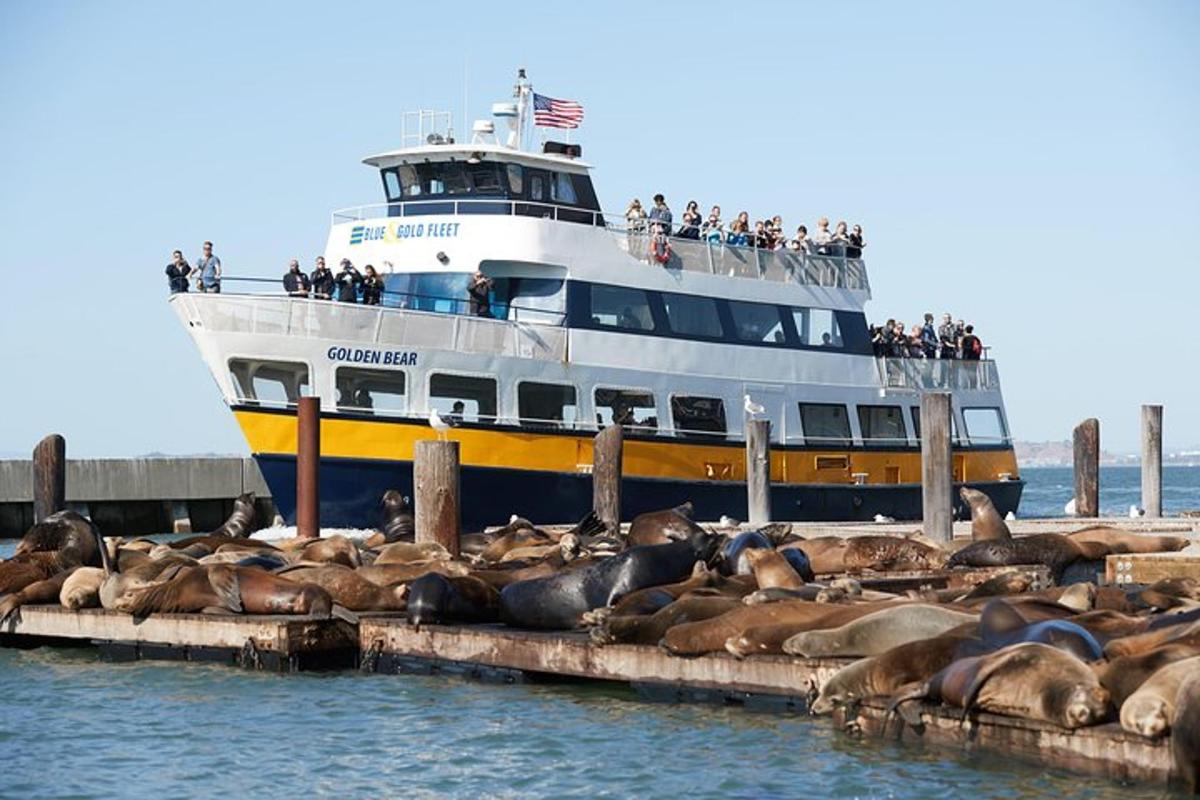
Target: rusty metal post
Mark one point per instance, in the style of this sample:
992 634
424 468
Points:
437 489
607 465
49 476
1087 468
937 467
308 468
758 471
1152 460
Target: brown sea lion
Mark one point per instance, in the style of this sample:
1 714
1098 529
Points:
1029 680
879 632
348 588
336 549
886 673
648 601
221 588
387 574
242 521
1170 593
1160 629
986 522
82 588
768 639
62 540
1122 541
710 636
398 523
1006 583
37 593
771 570
412 553
884 553
1050 549
1122 676
650 629
1149 710
661 527
1185 734
826 554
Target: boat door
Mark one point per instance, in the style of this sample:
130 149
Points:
773 399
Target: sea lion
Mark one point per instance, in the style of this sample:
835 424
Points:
772 570
768 639
386 574
986 522
1185 734
825 553
1123 675
336 549
799 561
221 588
732 559
1122 541
1050 549
397 523
412 553
242 521
711 635
1060 633
62 540
435 599
37 593
1029 680
348 588
878 632
650 629
885 553
813 592
558 601
661 527
82 588
1170 593
886 673
1159 630
650 600
1149 710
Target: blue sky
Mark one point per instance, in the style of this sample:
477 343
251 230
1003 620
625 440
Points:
1032 167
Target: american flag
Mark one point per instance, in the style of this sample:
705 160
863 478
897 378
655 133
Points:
551 113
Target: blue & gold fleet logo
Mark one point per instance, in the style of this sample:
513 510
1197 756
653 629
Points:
398 231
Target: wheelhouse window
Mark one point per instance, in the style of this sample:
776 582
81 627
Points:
279 383
516 178
629 408
698 416
462 398
825 424
882 425
817 327
441 179
916 421
757 322
984 425
562 190
618 307
370 390
550 404
690 315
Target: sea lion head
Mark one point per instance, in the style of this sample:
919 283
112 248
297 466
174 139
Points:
569 546
1086 705
706 545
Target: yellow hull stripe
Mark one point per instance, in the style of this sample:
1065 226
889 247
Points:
268 433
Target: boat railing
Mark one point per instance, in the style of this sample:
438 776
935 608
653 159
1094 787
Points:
830 267
933 374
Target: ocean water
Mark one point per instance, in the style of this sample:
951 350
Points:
74 726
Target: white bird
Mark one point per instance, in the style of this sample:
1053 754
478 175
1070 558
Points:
1135 512
1009 517
883 518
438 424
752 408
728 522
1069 508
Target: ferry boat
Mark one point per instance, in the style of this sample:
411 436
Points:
588 327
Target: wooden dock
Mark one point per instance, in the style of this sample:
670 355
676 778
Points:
274 643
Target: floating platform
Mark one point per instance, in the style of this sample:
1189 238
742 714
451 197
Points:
274 643
1150 567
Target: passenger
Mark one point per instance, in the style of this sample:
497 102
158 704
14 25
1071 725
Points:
691 221
947 339
899 341
479 290
929 338
362 399
208 271
916 345
456 412
628 319
622 415
177 272
348 281
295 282
886 335
660 216
322 281
972 347
635 217
801 244
714 229
739 230
875 333
826 340
762 238
778 239
855 247
372 286
822 238
959 333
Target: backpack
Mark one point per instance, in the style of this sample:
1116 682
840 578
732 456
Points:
977 347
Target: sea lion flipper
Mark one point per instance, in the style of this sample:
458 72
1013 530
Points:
224 581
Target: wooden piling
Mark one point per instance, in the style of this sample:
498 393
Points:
758 471
937 467
607 464
308 466
437 489
49 476
1087 468
1152 460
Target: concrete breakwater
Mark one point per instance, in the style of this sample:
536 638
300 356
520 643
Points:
136 496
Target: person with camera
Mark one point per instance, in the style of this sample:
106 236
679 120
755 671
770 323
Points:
177 272
478 290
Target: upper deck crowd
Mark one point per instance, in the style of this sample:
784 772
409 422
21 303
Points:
949 340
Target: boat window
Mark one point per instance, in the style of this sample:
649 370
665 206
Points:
757 322
882 424
463 397
825 424
536 187
586 193
540 300
916 420
371 390
442 292
562 190
698 416
618 307
391 185
629 408
485 178
443 178
984 425
690 315
817 327
279 383
551 403
516 178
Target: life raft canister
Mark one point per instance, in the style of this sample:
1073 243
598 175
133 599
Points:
660 248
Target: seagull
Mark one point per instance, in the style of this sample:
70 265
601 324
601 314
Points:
438 424
1135 512
1009 517
883 518
1069 508
752 408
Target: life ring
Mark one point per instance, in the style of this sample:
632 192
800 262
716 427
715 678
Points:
660 249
